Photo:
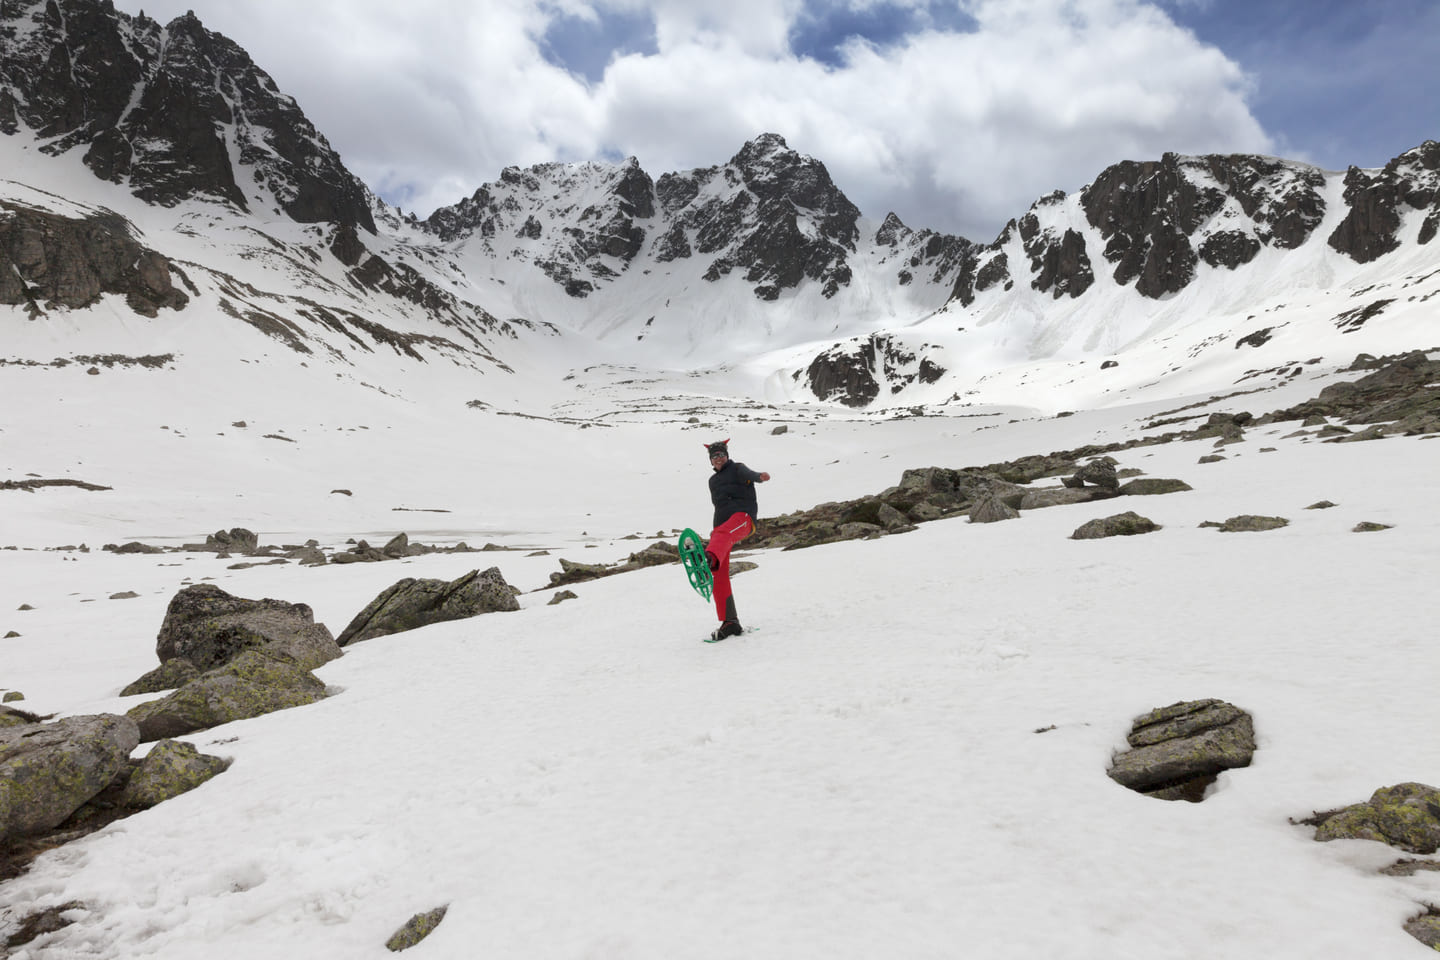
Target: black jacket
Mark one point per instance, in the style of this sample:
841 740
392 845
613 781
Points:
732 490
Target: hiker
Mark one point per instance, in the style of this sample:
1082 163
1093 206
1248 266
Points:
732 490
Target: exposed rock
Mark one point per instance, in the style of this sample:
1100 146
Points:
412 603
853 372
561 596
172 114
1178 751
209 627
1152 486
1368 526
256 682
1248 523
49 770
1057 496
170 675
417 928
1125 524
1406 815
48 261
1425 928
12 696
1099 472
990 509
172 767
236 540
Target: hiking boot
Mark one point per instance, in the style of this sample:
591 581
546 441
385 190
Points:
730 628
711 559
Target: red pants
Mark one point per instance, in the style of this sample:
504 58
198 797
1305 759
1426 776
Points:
722 540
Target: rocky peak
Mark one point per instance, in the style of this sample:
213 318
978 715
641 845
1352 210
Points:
160 110
1378 199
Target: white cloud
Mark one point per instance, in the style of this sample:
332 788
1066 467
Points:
957 131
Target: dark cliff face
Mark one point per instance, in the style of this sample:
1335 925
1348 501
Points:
158 107
49 261
1378 200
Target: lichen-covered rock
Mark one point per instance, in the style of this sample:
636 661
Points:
1425 928
171 768
1152 486
1179 750
417 928
990 509
1249 523
209 627
49 770
1126 524
170 675
254 683
1406 815
1099 472
412 603
1059 496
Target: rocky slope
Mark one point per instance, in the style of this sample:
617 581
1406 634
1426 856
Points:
761 254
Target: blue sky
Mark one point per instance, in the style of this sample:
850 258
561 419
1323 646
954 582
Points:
956 114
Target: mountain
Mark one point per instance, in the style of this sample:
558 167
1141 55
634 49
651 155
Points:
210 193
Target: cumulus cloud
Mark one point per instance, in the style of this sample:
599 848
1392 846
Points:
954 128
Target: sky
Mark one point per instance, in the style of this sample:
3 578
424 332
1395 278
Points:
955 115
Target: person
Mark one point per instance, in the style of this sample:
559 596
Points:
732 491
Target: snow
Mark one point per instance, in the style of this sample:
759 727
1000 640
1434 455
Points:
905 758
863 775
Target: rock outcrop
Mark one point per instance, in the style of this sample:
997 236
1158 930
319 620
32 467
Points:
1406 816
49 770
172 111
412 603
1178 751
255 682
49 261
209 627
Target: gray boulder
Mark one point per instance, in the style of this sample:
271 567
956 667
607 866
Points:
1099 472
171 768
256 682
1426 928
170 675
412 603
1059 496
1248 523
1125 524
990 509
1179 750
1150 486
1406 815
417 928
49 770
209 627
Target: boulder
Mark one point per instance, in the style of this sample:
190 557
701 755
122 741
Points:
1058 496
171 768
990 509
170 675
1425 928
1179 750
1099 472
209 627
1248 523
412 603
417 928
236 540
1125 524
49 770
1406 815
1150 486
256 682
